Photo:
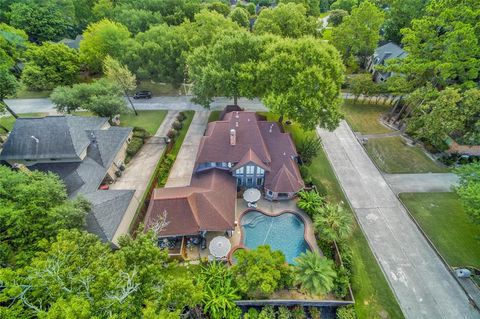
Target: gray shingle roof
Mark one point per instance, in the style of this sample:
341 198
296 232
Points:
388 51
59 137
107 212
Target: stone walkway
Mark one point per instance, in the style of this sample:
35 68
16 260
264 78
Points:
421 183
140 169
182 170
423 285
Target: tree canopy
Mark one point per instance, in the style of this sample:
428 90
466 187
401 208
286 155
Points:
13 43
240 16
301 79
50 65
102 97
34 209
400 15
286 20
101 39
469 189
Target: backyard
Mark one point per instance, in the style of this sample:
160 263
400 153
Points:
373 296
442 217
392 155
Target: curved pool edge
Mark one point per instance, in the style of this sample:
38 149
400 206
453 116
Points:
308 232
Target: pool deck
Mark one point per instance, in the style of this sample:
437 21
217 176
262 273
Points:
273 209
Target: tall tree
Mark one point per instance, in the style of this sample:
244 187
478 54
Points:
469 189
50 65
443 46
301 79
240 16
359 33
101 39
217 70
34 209
286 20
102 97
44 20
312 6
13 43
346 5
400 15
333 223
8 87
314 273
120 74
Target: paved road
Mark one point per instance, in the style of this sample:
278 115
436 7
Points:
177 103
430 182
182 170
423 285
141 167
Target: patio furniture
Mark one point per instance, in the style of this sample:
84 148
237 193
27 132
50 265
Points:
252 205
219 246
252 195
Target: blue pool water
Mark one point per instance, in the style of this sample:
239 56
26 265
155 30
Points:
284 232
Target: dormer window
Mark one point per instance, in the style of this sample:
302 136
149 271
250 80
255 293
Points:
250 169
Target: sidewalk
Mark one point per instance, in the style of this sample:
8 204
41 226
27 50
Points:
422 283
182 170
139 171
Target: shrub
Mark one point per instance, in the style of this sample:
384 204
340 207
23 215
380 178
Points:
172 133
310 202
336 16
298 313
341 282
283 313
309 148
347 312
314 273
251 314
315 313
177 125
267 313
182 114
140 132
346 253
134 146
305 172
180 117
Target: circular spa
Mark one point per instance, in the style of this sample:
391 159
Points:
284 232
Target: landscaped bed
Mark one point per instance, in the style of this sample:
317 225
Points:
392 155
373 296
443 219
365 117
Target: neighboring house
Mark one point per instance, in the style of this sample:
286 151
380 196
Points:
382 54
72 43
85 152
240 151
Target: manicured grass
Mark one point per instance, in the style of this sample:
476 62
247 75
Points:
373 296
159 89
150 120
445 222
9 121
214 116
392 155
24 93
364 118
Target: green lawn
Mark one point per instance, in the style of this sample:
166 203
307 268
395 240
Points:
9 120
443 219
364 118
158 89
148 119
374 299
214 116
392 155
24 93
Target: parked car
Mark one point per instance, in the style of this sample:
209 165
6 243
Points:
143 95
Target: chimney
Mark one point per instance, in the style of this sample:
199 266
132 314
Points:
233 137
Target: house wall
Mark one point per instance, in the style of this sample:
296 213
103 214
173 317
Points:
250 177
119 159
270 195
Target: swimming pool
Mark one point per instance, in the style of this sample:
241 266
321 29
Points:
284 232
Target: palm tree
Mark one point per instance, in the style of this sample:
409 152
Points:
314 273
333 223
310 202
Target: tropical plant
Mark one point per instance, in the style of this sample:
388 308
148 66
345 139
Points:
341 282
261 271
347 312
310 202
283 313
220 291
309 148
314 273
267 313
315 313
333 223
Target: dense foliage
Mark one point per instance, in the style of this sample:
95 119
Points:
314 273
469 189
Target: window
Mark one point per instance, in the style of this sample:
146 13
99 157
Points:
239 182
260 171
249 182
240 171
219 164
250 169
259 181
282 194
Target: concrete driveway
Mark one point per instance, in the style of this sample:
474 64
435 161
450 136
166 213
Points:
181 172
422 284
